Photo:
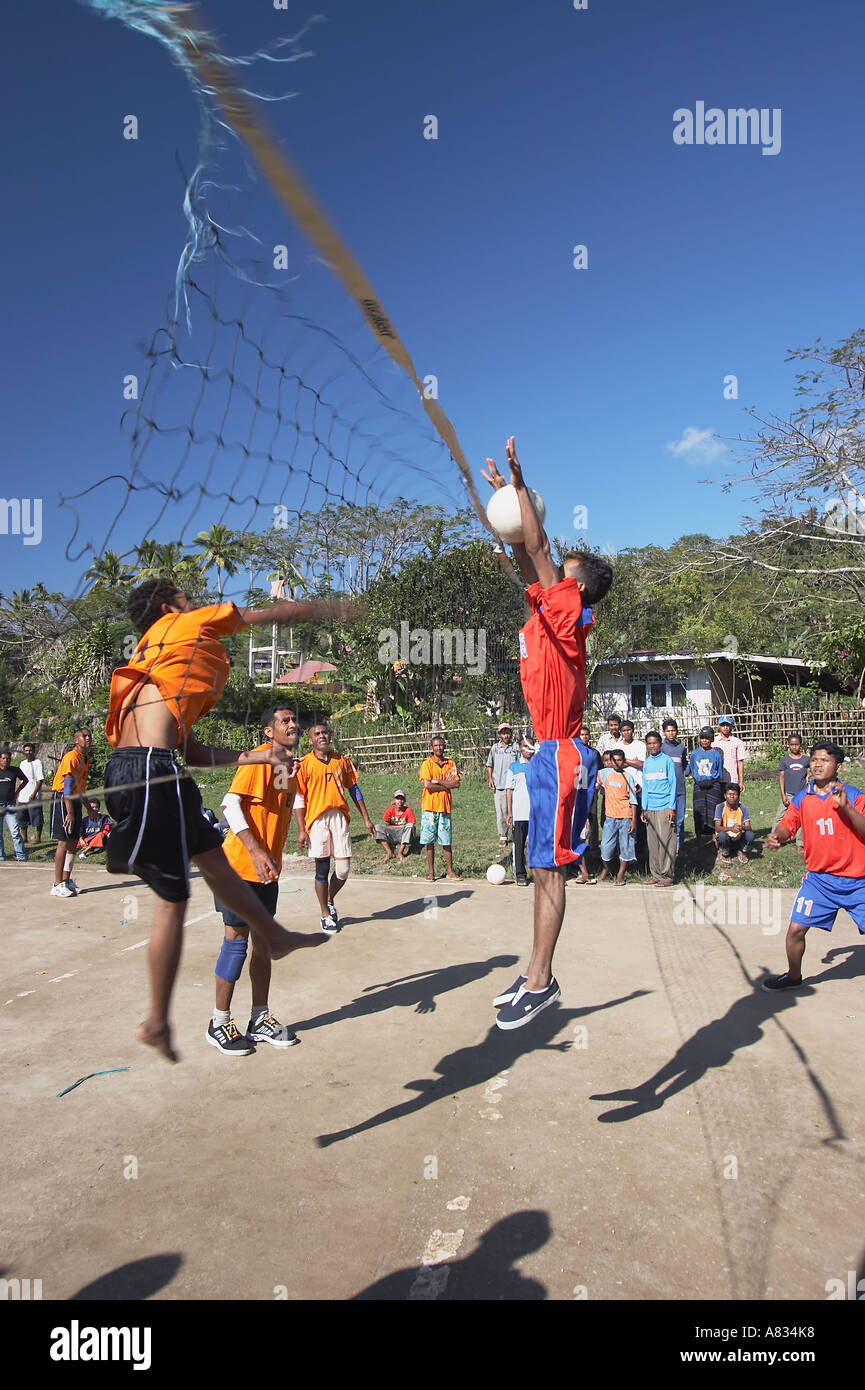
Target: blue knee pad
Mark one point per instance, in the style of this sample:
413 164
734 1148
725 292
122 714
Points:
322 869
231 958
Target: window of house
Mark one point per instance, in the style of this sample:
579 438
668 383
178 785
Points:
678 692
659 694
638 695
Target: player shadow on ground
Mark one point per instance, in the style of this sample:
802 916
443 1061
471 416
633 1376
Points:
137 1280
111 887
488 1273
715 1044
412 908
419 990
470 1066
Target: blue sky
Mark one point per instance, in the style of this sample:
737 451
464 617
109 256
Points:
555 128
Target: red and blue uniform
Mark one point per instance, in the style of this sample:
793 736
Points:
834 858
561 776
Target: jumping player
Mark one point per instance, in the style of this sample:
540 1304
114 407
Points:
561 775
176 674
324 782
258 808
832 817
68 788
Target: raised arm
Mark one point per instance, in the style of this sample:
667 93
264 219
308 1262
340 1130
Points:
289 611
522 551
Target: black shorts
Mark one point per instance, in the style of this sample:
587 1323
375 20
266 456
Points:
56 829
31 815
266 892
160 823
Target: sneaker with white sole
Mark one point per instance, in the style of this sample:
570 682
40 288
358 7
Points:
332 912
229 1039
507 995
269 1029
60 890
329 925
526 1005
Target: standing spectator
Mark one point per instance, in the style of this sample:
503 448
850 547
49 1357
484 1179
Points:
94 829
732 751
678 754
792 776
68 788
706 766
397 830
29 803
11 779
325 781
613 737
733 825
620 805
659 811
635 756
439 778
518 809
500 757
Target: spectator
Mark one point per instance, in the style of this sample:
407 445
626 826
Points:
732 751
706 766
11 779
397 830
733 825
518 809
792 775
500 757
29 798
95 828
659 811
613 737
620 804
439 778
678 755
635 756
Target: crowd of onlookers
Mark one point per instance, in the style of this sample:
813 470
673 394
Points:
22 807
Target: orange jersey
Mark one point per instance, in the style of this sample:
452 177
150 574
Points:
73 765
431 772
182 655
267 809
553 659
324 786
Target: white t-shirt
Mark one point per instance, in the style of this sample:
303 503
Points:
635 749
35 773
516 783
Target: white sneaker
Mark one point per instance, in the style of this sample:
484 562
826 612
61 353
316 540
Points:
70 883
61 890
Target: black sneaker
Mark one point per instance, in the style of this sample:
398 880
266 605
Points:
332 912
526 1004
228 1038
269 1029
774 984
508 994
329 925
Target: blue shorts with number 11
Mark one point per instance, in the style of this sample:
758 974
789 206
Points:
821 898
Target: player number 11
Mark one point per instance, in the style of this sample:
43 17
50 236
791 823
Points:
827 825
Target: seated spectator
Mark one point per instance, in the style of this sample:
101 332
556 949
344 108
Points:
95 829
733 825
397 830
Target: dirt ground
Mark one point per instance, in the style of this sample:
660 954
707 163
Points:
410 1150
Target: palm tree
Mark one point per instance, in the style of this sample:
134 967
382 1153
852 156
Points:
221 550
108 571
149 563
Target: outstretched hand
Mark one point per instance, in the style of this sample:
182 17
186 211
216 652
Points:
495 478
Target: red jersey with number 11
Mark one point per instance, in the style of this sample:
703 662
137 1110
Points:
553 659
831 844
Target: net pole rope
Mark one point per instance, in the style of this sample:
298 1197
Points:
287 182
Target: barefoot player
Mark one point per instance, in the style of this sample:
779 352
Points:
258 810
176 674
562 772
831 815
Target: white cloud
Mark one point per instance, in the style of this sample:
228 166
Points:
697 446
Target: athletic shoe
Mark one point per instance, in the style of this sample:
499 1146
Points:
509 994
228 1038
522 883
526 1004
774 984
269 1029
60 890
70 883
329 925
332 912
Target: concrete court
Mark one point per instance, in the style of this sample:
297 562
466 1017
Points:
409 1150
